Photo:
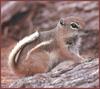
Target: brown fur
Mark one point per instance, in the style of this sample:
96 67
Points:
45 57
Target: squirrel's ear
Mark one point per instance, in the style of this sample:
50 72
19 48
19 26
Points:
62 21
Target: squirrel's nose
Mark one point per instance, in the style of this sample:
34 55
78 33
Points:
81 32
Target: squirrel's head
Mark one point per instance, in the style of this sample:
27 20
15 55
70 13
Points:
71 26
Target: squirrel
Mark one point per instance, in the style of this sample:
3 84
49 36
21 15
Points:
41 51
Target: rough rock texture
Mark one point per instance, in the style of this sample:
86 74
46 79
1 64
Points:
44 15
84 75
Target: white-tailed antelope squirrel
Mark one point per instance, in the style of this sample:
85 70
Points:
40 51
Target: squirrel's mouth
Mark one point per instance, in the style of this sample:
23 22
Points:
70 40
71 37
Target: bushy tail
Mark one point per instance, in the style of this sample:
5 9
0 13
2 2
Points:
13 57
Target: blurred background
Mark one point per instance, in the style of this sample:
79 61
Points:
21 18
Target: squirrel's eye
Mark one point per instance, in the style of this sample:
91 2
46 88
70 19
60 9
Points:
74 25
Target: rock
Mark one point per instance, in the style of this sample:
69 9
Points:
83 75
